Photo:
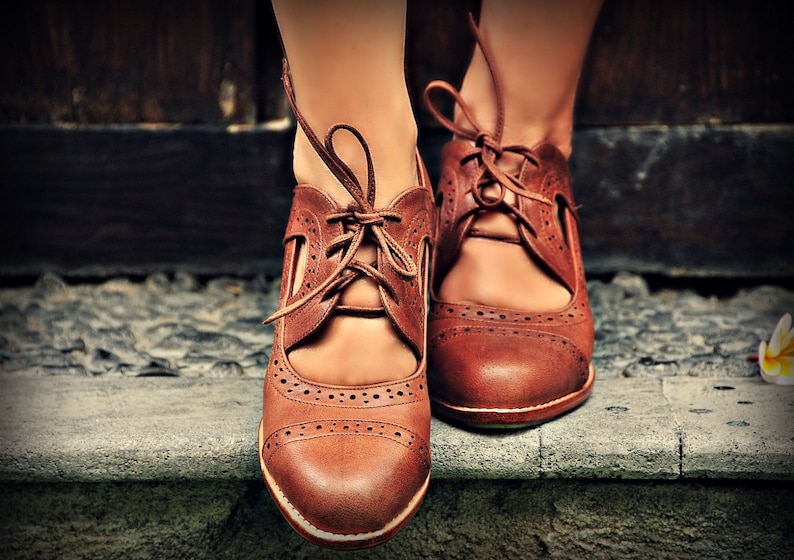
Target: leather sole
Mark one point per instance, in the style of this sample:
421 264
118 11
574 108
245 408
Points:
337 541
491 418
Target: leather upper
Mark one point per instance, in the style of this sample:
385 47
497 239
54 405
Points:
348 460
309 227
349 465
491 365
498 358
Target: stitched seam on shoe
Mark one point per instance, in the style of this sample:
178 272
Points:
419 378
569 396
346 405
347 421
319 237
473 308
439 340
419 456
420 442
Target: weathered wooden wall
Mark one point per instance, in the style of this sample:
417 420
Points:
133 135
128 61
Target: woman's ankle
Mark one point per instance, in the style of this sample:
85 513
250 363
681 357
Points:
392 145
524 124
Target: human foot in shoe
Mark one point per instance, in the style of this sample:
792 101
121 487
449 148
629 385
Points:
539 50
333 354
344 437
347 61
351 349
510 328
492 268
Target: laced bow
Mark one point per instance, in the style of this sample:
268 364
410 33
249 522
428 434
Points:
361 220
487 148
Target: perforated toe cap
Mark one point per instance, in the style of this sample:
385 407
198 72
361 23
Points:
350 483
499 368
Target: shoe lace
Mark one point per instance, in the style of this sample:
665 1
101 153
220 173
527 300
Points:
361 220
488 148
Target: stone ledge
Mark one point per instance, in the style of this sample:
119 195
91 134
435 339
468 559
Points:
458 520
77 429
110 200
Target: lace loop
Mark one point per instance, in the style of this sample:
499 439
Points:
488 149
361 219
486 140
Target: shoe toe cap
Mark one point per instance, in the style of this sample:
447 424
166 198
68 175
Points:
350 484
496 369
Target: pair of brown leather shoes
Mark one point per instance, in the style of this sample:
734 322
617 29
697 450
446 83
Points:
349 465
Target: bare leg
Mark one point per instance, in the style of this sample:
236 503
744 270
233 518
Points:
538 47
347 65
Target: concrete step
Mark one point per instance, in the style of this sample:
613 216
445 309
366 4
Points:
71 429
128 416
167 467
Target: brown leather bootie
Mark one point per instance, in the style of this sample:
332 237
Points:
348 465
498 366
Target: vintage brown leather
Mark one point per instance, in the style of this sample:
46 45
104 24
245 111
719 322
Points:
498 367
349 465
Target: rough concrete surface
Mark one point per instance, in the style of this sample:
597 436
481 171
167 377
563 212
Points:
109 429
178 326
625 430
114 429
128 415
458 520
730 427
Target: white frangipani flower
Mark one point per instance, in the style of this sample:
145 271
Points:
777 358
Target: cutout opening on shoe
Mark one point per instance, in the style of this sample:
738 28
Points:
358 315
497 266
560 210
297 257
423 277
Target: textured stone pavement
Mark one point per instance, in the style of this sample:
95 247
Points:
128 415
176 327
102 381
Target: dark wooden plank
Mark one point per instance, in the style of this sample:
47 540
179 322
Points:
674 62
271 102
685 61
214 61
121 61
681 201
687 200
438 46
677 201
94 200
